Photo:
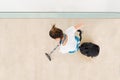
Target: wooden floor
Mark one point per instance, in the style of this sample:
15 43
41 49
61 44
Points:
24 42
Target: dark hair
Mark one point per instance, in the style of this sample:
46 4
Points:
89 49
56 32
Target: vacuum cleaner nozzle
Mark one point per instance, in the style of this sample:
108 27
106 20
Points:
48 56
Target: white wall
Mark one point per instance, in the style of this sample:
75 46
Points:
60 5
114 5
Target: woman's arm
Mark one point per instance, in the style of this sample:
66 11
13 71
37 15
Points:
78 26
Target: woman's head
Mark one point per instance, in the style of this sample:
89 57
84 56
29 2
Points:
56 33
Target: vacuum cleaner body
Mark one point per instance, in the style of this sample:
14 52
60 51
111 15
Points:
89 49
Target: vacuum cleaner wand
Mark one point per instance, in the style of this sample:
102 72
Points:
49 55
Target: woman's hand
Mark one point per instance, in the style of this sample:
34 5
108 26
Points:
78 26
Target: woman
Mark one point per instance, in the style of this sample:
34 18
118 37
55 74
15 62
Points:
68 41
